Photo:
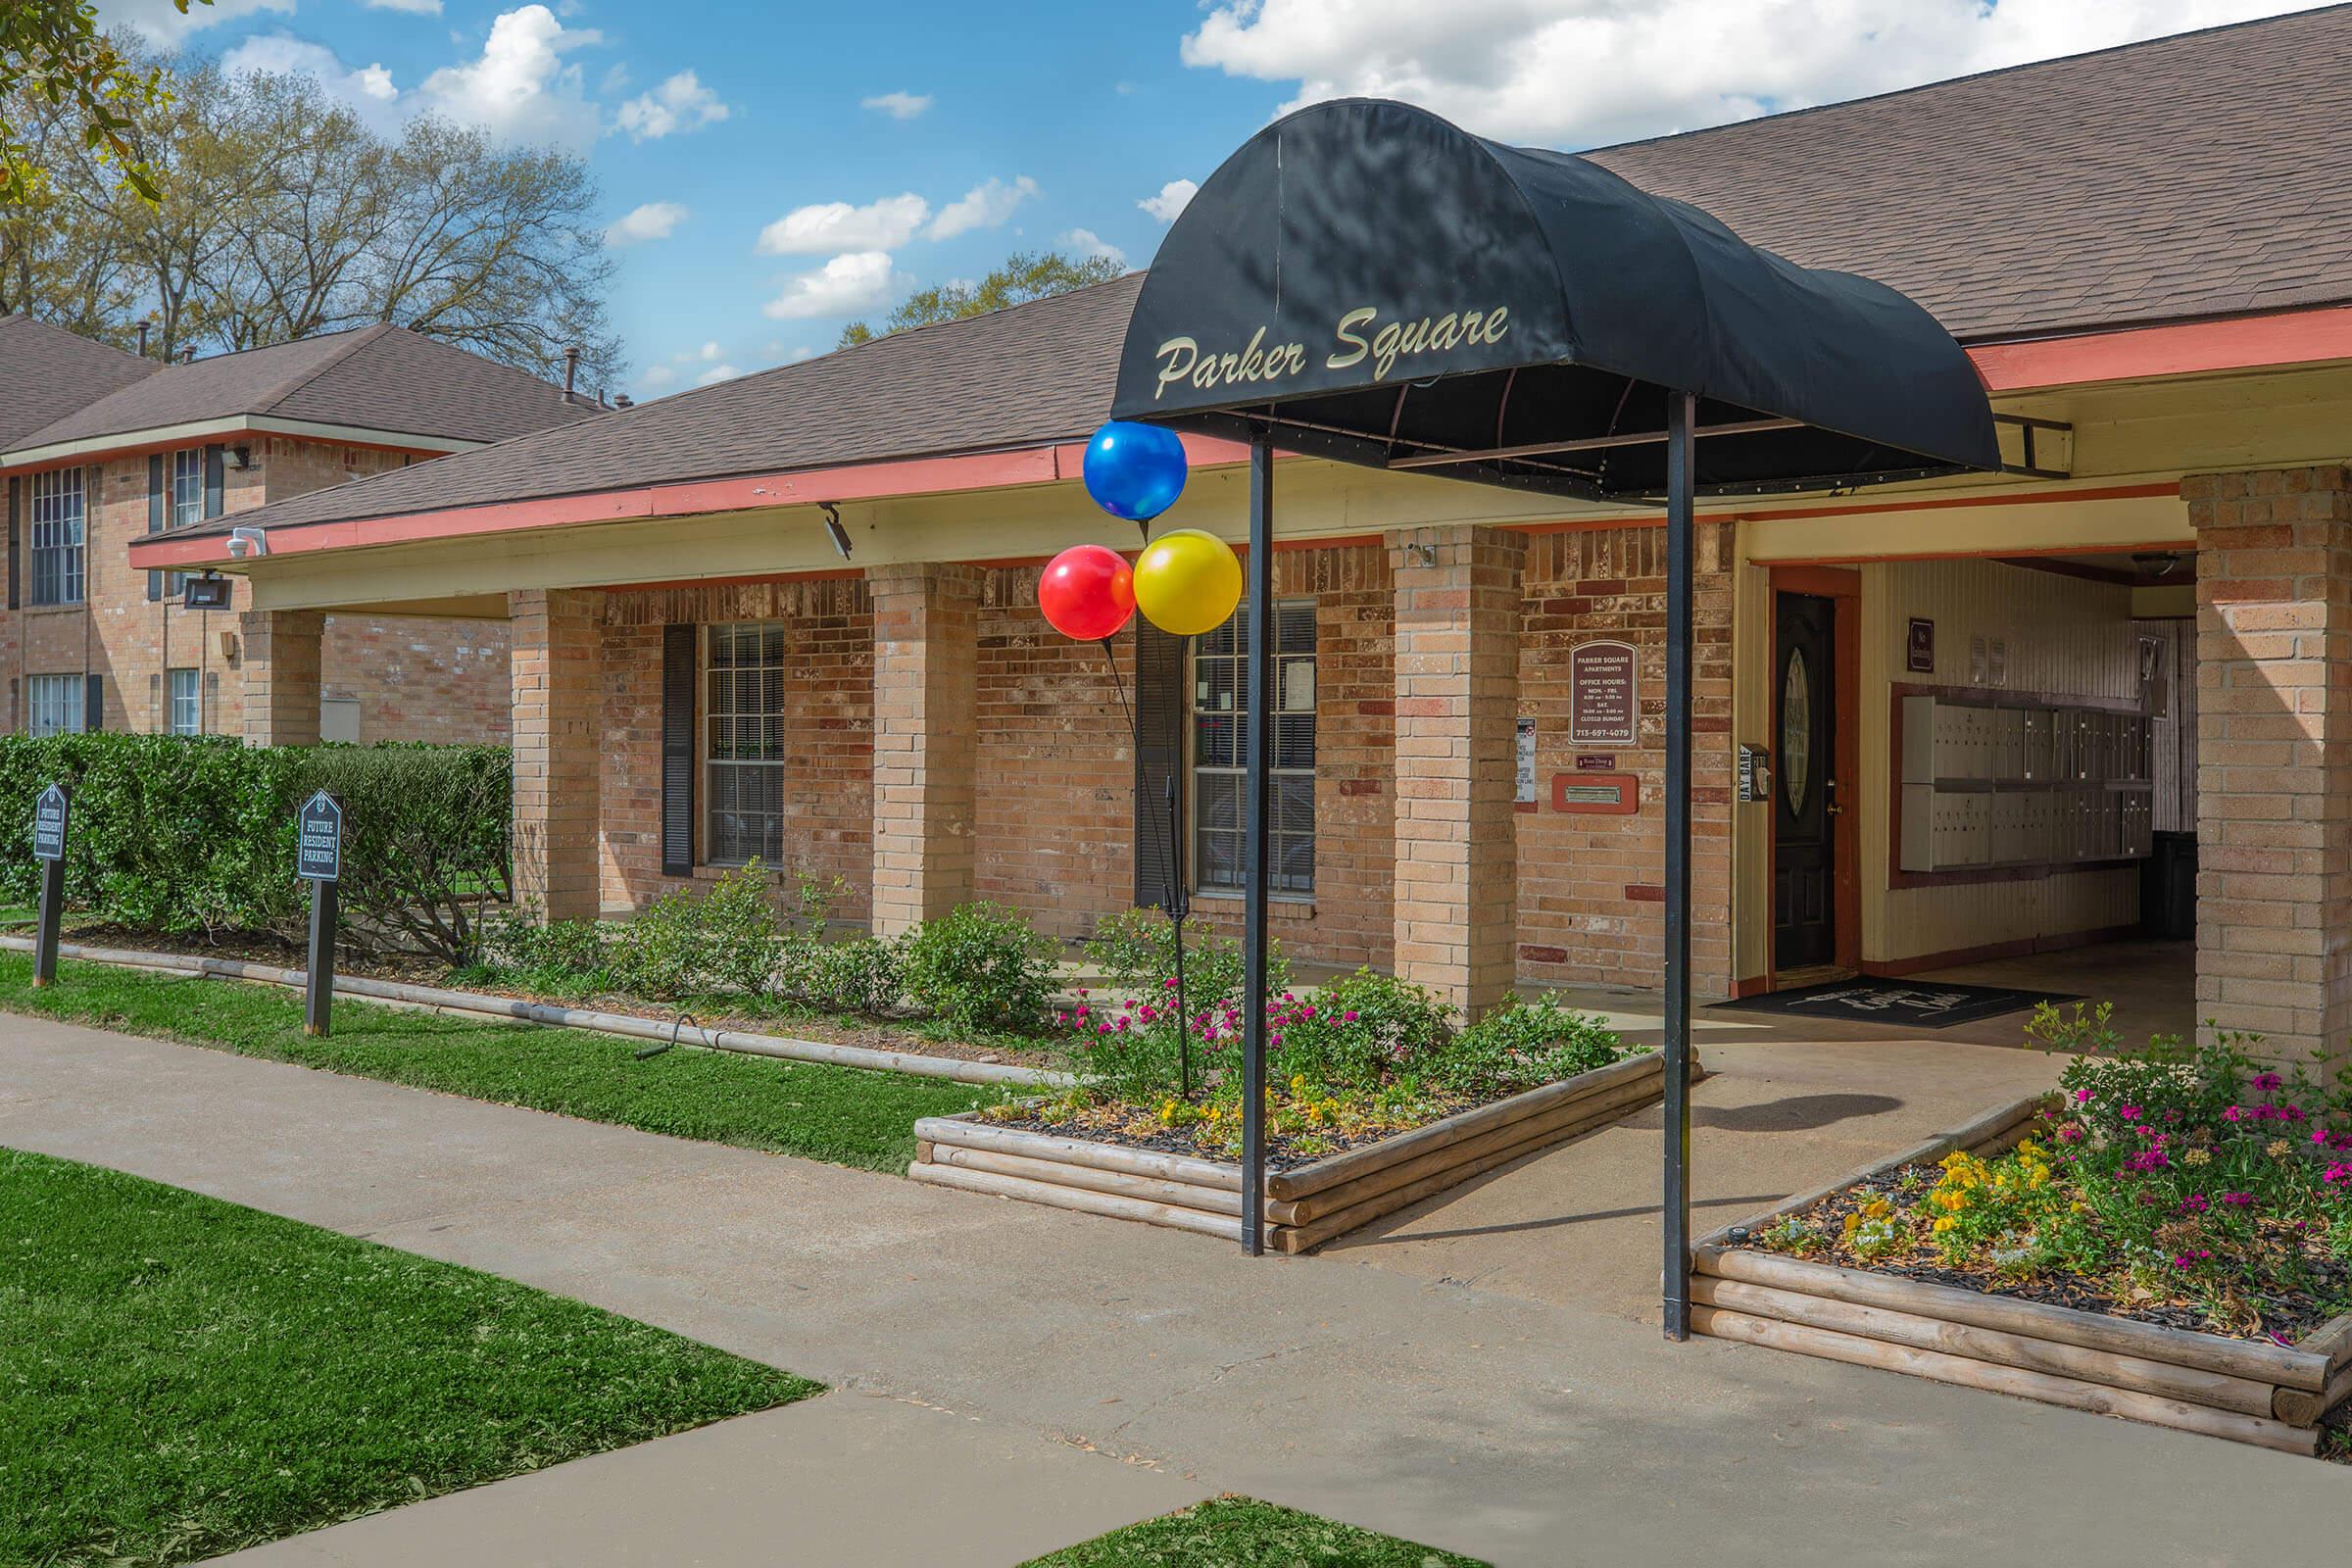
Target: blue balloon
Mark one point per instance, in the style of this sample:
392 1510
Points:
1135 470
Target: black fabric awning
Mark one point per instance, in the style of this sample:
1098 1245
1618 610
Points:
1363 280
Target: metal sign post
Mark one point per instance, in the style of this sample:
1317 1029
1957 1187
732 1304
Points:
49 818
319 860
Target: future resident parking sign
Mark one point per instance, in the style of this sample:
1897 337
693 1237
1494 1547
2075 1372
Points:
319 839
49 825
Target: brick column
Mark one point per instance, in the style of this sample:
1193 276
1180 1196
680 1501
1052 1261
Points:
926 732
1457 704
2275 756
281 657
553 662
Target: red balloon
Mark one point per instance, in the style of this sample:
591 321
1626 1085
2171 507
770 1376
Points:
1088 592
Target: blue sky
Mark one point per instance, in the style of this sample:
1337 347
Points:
775 169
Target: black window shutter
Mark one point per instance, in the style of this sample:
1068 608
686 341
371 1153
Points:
212 480
16 493
677 750
93 703
155 516
1159 714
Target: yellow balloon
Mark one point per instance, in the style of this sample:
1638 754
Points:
1187 582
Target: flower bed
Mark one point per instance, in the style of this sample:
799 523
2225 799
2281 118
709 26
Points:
2168 1238
1374 1099
1308 1204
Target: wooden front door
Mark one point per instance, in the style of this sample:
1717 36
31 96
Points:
1805 803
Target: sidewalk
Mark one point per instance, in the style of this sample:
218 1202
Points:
1517 1430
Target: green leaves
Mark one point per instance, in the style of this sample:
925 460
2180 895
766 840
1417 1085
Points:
178 836
52 50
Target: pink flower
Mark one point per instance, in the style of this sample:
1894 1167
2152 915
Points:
2238 1199
2194 1203
2234 1113
2130 1113
2266 1080
1348 1017
2070 1134
2338 1173
2081 1096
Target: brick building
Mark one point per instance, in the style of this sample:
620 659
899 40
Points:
100 447
794 616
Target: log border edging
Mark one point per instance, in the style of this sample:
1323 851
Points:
1307 1206
2244 1390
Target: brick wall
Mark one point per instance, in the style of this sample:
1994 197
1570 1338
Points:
828 739
415 679
2275 756
1590 902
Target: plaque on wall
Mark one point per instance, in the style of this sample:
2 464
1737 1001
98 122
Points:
1602 696
1525 795
1920 649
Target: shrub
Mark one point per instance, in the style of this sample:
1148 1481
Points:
424 841
177 836
1521 1045
1361 1032
727 939
981 968
561 956
863 974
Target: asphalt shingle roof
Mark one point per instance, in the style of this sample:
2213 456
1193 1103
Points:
383 379
47 371
2201 174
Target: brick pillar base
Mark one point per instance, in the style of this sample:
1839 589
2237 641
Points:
926 734
2275 756
1457 706
282 662
554 664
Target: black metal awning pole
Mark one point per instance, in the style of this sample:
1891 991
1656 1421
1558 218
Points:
1259 807
1681 411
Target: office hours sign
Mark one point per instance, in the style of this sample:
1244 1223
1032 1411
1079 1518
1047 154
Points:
1603 698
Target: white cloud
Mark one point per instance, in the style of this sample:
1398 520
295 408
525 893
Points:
857 280
715 374
982 206
367 89
415 8
655 376
162 24
680 103
897 105
1172 199
651 221
710 351
1086 242
836 227
1585 73
520 90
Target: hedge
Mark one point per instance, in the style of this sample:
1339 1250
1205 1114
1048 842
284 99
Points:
183 837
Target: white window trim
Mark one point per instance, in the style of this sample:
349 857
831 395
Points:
73 692
56 489
192 705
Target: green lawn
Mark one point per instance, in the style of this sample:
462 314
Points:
1243 1532
181 1377
814 1110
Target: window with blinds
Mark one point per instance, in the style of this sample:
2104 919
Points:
1220 751
57 537
742 717
186 695
53 705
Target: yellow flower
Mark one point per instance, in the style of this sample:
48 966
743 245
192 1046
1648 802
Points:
1853 1223
1945 1224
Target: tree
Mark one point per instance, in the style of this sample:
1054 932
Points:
282 215
52 53
1025 276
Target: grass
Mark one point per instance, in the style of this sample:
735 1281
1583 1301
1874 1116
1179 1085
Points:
181 1377
1244 1533
819 1112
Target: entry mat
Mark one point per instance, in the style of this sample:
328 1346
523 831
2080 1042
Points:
1914 1004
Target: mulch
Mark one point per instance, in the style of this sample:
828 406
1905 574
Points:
2282 1319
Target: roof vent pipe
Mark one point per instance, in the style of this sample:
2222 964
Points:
142 323
621 400
571 368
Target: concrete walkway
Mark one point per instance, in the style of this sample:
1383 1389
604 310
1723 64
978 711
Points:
1519 1430
848 1478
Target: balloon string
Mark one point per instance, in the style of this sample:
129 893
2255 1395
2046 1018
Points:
1118 684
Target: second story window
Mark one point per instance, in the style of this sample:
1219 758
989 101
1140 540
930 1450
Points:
57 537
187 488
